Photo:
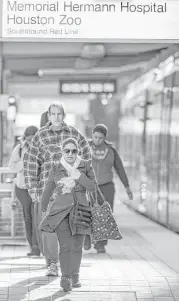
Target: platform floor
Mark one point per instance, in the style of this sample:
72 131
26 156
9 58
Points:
144 265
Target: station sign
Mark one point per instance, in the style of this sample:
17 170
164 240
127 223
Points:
82 86
92 19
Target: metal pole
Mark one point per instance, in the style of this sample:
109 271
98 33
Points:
13 213
145 124
1 113
169 146
160 153
143 169
118 131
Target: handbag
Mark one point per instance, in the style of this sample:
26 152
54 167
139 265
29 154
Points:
104 225
81 215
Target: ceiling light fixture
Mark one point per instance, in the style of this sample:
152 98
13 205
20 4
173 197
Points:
92 51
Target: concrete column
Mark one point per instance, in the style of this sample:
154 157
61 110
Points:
1 112
1 10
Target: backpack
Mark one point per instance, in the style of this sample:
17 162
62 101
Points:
20 151
44 119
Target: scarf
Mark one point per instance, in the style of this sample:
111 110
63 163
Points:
68 167
68 183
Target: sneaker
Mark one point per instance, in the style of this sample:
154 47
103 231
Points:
75 281
65 283
52 270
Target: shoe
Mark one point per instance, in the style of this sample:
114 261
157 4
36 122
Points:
87 243
65 283
33 253
87 247
101 250
75 281
52 270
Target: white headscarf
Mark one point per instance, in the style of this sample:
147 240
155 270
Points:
68 183
70 169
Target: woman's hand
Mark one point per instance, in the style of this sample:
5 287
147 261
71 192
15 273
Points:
67 181
66 190
68 184
75 174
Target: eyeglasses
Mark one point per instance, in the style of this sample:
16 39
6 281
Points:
73 151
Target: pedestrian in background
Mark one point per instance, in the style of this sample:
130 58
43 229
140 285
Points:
21 192
45 149
104 159
48 240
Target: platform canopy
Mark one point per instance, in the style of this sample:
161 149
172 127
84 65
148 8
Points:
74 59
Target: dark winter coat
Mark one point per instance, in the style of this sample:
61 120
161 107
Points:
63 203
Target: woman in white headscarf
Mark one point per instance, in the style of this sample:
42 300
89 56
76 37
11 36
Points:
71 178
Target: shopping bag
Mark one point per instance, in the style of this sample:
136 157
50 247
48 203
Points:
103 225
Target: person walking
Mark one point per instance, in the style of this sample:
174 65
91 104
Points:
104 159
48 240
16 164
45 149
72 177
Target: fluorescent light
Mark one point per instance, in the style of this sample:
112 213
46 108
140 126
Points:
92 51
92 71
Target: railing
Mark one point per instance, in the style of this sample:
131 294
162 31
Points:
11 220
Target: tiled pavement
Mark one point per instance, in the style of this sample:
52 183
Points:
144 265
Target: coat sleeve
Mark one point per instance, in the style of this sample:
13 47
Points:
118 165
32 164
16 162
48 190
88 179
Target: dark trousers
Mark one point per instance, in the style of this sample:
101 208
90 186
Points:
28 213
45 240
108 191
70 249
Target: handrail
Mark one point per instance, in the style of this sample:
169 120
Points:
6 170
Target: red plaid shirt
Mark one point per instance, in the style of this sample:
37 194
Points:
44 150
